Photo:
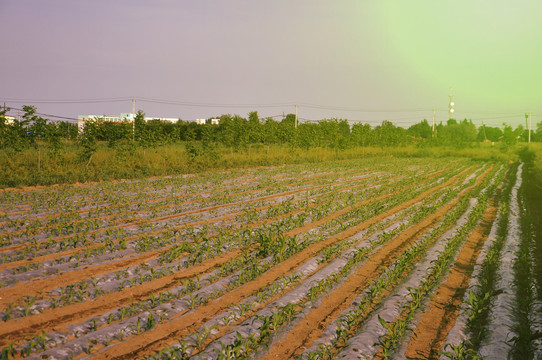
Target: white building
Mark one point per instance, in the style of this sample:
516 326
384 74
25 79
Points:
203 121
9 120
124 117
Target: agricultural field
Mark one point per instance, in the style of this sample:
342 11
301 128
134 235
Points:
375 258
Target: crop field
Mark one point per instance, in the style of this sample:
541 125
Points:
376 258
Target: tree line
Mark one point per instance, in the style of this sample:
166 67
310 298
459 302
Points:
240 133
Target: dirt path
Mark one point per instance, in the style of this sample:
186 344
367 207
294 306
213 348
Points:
52 318
302 180
14 264
99 271
182 326
39 286
435 323
311 327
169 217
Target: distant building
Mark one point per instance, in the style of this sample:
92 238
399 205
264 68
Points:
124 117
203 121
8 120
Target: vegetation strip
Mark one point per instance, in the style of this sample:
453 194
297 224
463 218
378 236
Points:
156 338
68 314
308 330
39 286
312 178
476 307
436 322
270 276
70 252
325 230
311 326
132 291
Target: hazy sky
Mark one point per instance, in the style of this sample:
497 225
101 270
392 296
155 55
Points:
385 59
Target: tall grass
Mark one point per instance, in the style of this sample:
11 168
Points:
128 162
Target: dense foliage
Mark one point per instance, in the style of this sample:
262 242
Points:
107 150
239 133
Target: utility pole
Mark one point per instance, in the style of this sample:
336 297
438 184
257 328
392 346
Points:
133 120
433 128
530 125
296 116
526 122
451 104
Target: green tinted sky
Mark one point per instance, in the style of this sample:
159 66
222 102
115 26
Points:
387 60
490 51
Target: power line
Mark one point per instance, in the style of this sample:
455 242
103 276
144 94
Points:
229 105
203 104
496 117
267 105
65 101
49 115
350 109
370 122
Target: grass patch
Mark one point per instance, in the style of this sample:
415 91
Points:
125 161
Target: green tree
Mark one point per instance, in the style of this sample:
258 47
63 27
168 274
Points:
37 125
457 134
421 130
286 130
270 130
509 137
361 134
390 135
5 129
17 134
54 138
488 133
344 133
335 133
307 135
87 141
139 125
255 129
38 129
538 132
521 133
227 131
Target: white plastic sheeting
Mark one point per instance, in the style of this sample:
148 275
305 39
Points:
458 333
363 345
501 321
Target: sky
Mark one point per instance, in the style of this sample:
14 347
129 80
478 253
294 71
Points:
361 60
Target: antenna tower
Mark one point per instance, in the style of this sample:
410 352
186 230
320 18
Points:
451 104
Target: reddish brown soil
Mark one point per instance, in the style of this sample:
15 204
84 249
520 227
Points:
52 318
435 323
59 317
15 264
302 180
184 325
310 328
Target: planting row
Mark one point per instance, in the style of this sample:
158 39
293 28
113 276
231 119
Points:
344 259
